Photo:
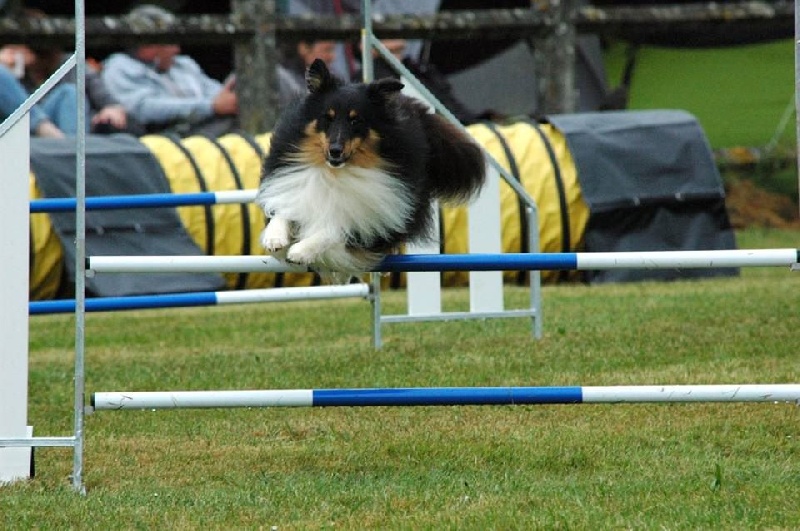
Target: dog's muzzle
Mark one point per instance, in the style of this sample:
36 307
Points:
336 157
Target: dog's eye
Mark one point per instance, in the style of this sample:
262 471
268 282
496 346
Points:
355 120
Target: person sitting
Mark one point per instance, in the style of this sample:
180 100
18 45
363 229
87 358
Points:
292 69
13 95
104 113
429 76
169 92
32 66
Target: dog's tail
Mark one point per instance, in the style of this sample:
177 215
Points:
456 166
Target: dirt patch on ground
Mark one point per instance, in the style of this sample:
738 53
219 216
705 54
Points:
748 205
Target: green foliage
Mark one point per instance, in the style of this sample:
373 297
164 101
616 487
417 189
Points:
676 466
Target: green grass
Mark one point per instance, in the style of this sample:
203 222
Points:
672 466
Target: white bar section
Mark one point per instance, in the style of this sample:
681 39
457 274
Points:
687 259
235 196
292 294
424 289
203 399
485 236
456 316
693 393
190 264
14 249
30 441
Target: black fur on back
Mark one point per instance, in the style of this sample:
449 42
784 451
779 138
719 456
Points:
434 158
456 167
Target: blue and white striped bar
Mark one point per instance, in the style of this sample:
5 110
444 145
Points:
461 262
114 202
203 298
446 396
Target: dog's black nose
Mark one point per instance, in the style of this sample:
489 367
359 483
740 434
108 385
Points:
335 152
336 156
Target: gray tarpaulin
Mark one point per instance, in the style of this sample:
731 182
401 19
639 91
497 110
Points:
651 184
117 165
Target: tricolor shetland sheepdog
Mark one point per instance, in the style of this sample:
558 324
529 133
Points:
352 170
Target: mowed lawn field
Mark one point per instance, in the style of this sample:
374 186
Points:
656 466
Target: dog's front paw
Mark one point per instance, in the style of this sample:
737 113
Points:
272 243
303 252
275 235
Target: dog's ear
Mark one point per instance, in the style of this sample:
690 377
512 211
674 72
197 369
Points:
384 89
318 78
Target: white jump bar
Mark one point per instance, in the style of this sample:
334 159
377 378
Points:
461 262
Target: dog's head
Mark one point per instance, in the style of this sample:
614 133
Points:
342 119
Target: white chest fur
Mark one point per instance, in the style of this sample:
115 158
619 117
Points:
337 201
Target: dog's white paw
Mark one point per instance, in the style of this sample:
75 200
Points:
273 244
275 235
303 252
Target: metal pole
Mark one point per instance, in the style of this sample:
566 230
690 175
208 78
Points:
80 245
797 86
375 299
535 278
366 41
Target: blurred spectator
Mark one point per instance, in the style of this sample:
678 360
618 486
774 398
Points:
13 94
347 63
292 69
346 66
104 113
169 92
32 66
430 77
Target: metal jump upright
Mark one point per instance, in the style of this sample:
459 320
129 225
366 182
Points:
486 288
16 450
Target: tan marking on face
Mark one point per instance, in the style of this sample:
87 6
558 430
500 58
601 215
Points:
352 114
313 146
350 147
365 151
331 114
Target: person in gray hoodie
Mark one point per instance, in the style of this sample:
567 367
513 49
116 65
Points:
165 91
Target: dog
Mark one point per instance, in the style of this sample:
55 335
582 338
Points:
352 170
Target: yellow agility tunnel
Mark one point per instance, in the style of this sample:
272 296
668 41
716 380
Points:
536 154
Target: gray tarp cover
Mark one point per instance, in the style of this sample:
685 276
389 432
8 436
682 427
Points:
117 165
651 184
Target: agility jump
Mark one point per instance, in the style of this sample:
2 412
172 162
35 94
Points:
460 262
446 396
439 396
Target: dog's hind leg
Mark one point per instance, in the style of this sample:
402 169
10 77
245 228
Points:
276 235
